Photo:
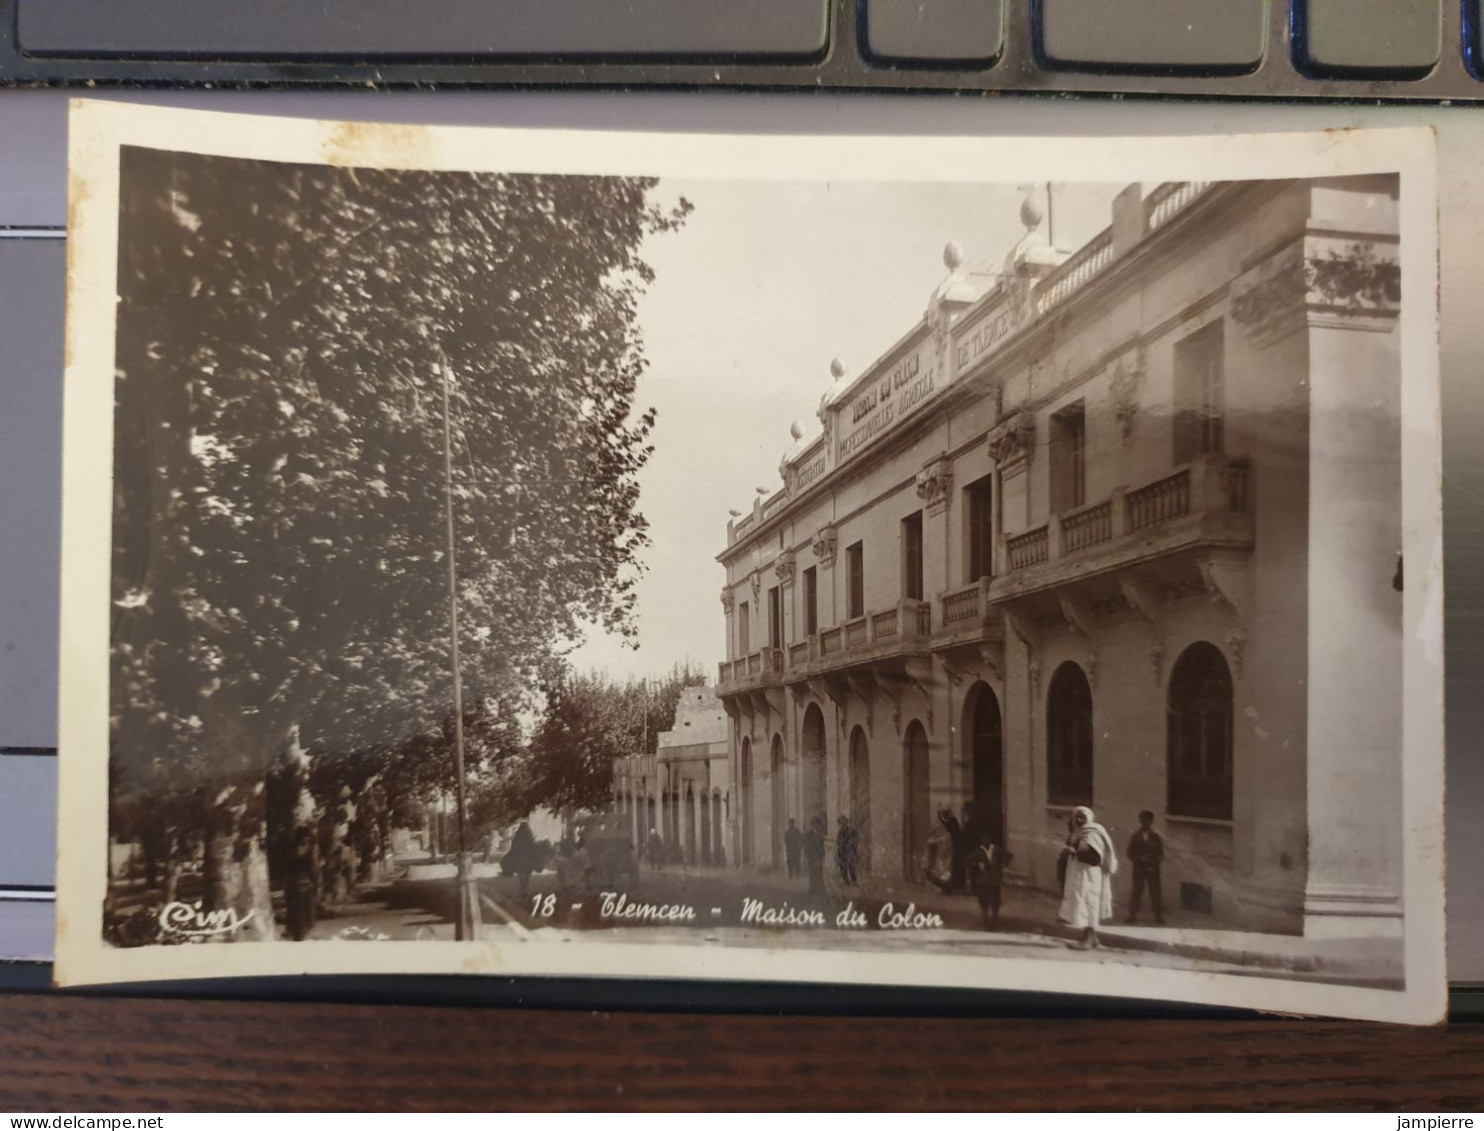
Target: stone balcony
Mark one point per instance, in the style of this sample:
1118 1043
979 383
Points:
889 634
757 670
1205 503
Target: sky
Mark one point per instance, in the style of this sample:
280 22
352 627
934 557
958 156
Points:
765 284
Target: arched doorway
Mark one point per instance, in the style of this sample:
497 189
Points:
745 813
703 810
690 824
917 813
1200 734
860 794
986 740
779 798
812 765
1069 737
718 849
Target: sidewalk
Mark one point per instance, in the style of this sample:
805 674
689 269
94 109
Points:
1370 961
1373 961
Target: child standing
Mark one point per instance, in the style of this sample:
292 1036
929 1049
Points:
987 864
1146 851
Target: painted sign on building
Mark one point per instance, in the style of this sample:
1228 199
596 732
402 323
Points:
988 330
886 399
810 470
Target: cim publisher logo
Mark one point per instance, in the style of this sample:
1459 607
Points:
189 920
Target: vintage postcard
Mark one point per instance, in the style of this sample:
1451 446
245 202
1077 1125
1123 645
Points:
1073 506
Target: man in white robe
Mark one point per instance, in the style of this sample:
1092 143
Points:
1087 892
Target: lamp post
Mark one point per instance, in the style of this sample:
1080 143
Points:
466 923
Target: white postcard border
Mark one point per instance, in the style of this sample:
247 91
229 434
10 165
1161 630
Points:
100 129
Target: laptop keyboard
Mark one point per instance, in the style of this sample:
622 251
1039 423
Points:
285 29
1195 36
1351 49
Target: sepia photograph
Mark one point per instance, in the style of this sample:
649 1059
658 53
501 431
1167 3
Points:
997 563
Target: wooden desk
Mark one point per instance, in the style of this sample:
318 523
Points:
61 1053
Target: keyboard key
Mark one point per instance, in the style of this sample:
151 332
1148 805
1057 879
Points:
28 821
1385 38
381 29
1181 36
33 294
935 31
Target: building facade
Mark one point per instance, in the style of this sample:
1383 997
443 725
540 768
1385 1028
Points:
684 790
1117 528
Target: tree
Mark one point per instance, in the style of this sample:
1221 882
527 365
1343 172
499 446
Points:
284 336
588 721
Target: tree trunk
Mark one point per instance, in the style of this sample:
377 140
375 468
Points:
290 807
236 872
151 860
172 877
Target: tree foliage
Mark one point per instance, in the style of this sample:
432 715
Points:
588 721
285 337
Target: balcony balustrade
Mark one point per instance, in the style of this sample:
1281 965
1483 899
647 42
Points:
963 607
904 627
1028 549
1161 205
1090 526
1208 499
1160 501
1092 260
886 624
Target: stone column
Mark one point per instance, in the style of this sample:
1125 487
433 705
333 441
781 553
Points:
1355 640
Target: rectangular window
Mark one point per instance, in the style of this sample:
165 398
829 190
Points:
1068 458
912 557
1200 396
744 630
855 568
775 618
979 500
811 601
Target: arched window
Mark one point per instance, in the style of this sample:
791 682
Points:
688 822
718 846
779 797
813 766
918 816
987 760
860 796
1200 734
745 814
1069 738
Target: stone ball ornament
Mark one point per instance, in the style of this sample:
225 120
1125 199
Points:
1031 212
